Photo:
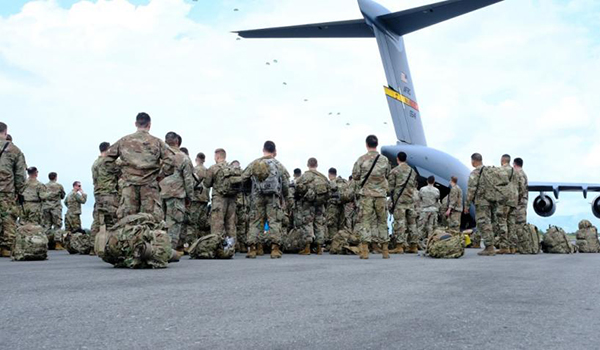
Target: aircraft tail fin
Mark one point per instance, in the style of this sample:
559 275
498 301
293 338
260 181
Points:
343 29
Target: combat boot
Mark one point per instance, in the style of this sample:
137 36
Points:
243 249
319 249
175 256
276 253
385 251
488 251
251 252
364 250
58 246
259 250
375 248
476 245
413 249
398 249
306 250
503 251
5 253
513 250
361 255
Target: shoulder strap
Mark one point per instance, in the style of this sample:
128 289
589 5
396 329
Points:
370 171
478 183
4 148
512 172
402 190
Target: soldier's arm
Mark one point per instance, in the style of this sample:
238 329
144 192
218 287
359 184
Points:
247 173
285 186
43 192
19 171
472 185
356 172
392 182
62 192
210 176
188 178
115 150
82 199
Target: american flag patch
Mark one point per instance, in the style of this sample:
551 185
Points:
403 77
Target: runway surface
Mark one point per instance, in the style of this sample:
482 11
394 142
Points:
316 302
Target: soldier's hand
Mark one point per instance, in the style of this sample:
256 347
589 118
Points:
448 212
466 211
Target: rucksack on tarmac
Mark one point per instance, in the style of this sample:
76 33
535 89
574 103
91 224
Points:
232 181
31 243
556 242
529 240
293 241
212 247
587 238
445 244
79 242
344 242
138 241
267 178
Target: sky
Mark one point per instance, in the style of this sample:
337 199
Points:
518 77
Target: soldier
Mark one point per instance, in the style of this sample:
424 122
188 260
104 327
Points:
52 210
12 183
241 216
34 194
371 172
521 210
508 190
350 199
105 173
198 207
313 189
335 208
73 203
403 184
176 186
270 187
292 210
479 186
453 205
140 155
430 201
223 206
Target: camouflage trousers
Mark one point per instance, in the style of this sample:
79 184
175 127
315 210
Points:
175 221
405 224
427 223
350 216
105 212
483 215
263 209
372 219
8 226
72 222
453 221
335 219
52 218
504 226
520 214
32 213
312 223
197 221
223 216
241 226
137 199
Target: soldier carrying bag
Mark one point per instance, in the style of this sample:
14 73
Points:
400 192
370 171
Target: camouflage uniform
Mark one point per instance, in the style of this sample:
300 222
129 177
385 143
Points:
140 154
34 194
521 211
105 173
372 208
454 202
197 212
478 190
241 214
177 185
223 206
335 208
52 206
312 222
430 197
508 197
405 216
73 203
12 182
265 208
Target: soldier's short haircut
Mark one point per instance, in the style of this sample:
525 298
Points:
76 183
270 147
312 162
402 157
297 171
350 178
185 150
518 162
31 170
52 176
454 179
476 157
171 138
431 180
221 152
104 146
236 162
142 120
9 137
179 140
333 171
372 141
3 127
506 157
201 156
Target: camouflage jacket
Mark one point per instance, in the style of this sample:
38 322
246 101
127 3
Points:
12 169
454 199
430 198
200 191
397 178
74 201
478 187
214 177
523 187
140 154
285 183
55 193
34 191
178 181
105 173
377 184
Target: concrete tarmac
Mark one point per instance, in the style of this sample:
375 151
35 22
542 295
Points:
315 302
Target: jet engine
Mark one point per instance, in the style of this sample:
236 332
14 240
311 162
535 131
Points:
545 206
596 207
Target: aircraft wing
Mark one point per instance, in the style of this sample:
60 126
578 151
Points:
557 187
357 28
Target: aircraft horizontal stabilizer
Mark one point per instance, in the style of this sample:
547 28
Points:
343 29
408 21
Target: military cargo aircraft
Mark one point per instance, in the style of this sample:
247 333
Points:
388 29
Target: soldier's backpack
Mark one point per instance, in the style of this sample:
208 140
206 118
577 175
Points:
348 192
556 242
344 242
138 241
445 244
293 241
212 247
232 181
267 178
587 238
79 242
529 240
499 181
31 243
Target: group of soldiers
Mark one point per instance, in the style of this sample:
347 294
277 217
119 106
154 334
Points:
258 206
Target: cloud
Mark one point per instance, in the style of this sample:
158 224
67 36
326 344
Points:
516 78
